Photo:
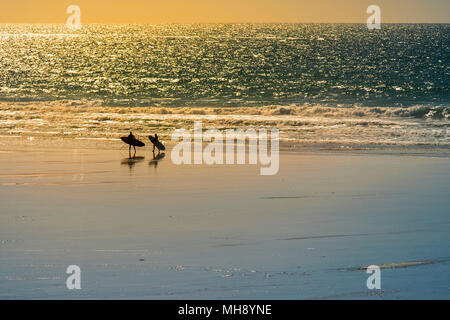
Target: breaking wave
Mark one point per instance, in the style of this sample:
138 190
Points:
305 125
306 110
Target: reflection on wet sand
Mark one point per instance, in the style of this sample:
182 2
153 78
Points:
131 162
156 158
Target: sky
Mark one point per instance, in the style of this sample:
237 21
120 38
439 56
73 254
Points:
223 11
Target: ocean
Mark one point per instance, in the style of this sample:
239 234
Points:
332 83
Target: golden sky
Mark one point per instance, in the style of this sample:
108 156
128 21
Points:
198 11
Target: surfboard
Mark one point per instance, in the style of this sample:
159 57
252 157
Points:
157 143
132 142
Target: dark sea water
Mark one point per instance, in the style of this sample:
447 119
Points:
228 65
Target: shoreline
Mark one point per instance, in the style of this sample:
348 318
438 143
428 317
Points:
15 143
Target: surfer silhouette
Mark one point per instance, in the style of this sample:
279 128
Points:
131 137
132 142
156 143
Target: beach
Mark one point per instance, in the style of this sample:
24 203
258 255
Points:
360 118
149 229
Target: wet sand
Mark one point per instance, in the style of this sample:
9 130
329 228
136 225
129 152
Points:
149 229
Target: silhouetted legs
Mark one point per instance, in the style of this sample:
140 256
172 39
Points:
129 151
159 151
